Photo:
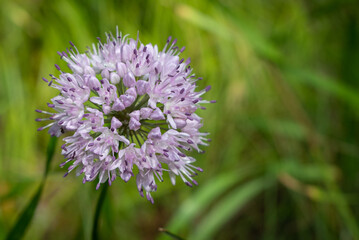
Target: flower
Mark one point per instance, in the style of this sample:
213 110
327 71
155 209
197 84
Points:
127 105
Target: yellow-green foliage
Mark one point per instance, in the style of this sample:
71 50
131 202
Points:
283 161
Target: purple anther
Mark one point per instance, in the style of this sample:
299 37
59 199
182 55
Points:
169 39
50 105
181 154
57 67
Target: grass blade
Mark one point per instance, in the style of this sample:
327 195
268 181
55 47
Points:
229 206
49 155
25 218
172 235
195 205
19 228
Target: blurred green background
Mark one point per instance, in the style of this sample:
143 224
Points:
283 163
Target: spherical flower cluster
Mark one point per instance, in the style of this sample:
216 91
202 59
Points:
127 104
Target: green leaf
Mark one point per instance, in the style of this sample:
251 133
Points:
306 172
228 207
203 21
341 204
49 155
195 205
23 222
19 229
335 88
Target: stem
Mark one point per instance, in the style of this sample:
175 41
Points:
130 133
98 211
143 101
156 124
137 139
121 89
143 137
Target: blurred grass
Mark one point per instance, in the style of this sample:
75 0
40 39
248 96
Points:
283 162
19 228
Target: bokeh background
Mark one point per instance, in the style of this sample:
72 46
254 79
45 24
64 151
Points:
283 161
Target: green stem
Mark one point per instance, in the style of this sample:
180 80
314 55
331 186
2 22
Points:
143 101
156 124
98 211
143 137
134 133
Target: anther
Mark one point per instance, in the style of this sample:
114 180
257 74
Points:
57 67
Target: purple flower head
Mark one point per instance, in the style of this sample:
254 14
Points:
127 108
